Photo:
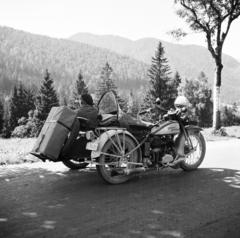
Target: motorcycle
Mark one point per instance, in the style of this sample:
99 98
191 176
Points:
122 146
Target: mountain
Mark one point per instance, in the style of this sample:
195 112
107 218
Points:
188 60
25 56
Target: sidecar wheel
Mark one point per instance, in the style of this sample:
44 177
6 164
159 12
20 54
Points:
194 160
114 173
74 164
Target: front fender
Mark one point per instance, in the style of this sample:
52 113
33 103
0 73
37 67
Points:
193 128
104 137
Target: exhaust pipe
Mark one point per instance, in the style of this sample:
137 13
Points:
176 162
134 170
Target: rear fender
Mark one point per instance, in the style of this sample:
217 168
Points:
104 137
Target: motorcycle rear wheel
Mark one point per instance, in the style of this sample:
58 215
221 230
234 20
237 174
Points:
114 173
194 159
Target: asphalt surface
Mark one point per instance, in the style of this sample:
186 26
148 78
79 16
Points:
48 200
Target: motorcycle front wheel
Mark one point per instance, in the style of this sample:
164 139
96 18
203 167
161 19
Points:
195 158
111 168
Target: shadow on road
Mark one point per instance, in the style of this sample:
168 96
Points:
172 203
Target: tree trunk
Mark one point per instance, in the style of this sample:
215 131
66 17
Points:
216 97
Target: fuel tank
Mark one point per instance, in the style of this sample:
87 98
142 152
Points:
166 128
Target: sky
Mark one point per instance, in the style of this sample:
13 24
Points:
133 19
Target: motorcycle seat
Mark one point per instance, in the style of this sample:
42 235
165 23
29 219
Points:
140 125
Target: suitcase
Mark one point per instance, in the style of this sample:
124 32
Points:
54 133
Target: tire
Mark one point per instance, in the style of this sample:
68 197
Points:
75 164
113 174
194 160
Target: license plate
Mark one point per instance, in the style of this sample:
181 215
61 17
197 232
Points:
92 145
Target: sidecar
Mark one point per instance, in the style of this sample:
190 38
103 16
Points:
114 146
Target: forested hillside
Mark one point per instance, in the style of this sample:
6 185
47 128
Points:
188 60
25 56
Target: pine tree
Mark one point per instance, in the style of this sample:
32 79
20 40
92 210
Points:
79 89
176 82
14 110
1 114
107 84
47 97
29 100
160 80
161 84
25 100
6 131
20 103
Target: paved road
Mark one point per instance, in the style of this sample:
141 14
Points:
48 200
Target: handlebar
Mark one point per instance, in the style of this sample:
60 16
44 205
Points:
170 112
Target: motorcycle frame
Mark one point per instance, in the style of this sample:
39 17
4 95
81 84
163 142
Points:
109 132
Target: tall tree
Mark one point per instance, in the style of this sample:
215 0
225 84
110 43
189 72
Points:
1 114
107 84
6 131
79 89
21 102
214 19
177 80
29 100
25 101
199 94
47 97
176 84
162 85
14 110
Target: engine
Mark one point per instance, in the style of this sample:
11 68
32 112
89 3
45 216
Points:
162 148
162 143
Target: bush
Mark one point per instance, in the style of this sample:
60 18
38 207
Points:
229 115
21 131
28 127
220 132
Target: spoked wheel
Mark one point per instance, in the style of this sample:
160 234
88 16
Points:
195 157
115 159
75 164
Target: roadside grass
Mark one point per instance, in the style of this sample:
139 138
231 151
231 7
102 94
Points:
16 151
232 132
